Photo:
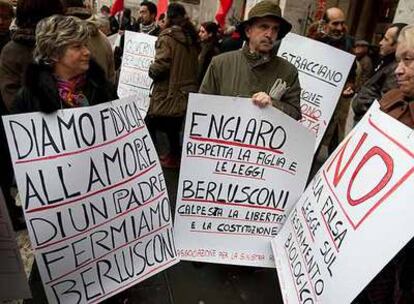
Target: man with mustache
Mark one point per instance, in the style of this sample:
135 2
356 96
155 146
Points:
255 70
335 35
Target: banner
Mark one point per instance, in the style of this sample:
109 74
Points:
13 281
94 197
355 215
323 71
139 53
242 170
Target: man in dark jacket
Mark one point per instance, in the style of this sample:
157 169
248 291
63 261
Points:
15 56
113 23
335 35
146 24
365 68
147 15
384 78
256 71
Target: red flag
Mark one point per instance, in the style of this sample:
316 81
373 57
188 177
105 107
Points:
221 14
162 7
118 6
320 10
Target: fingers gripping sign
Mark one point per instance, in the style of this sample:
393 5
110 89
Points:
261 99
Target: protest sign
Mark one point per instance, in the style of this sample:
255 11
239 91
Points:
355 215
139 53
242 170
94 197
323 71
13 281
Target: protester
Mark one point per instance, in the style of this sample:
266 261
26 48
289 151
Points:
17 53
146 24
209 46
98 43
174 72
384 78
113 23
63 75
398 103
6 17
256 71
127 21
161 22
335 34
231 40
6 176
147 17
334 30
364 63
395 283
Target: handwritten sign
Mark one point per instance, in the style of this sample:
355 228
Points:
355 215
323 71
94 198
13 281
139 53
242 170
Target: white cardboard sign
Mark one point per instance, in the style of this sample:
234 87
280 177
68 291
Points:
94 197
139 53
13 281
323 71
242 170
355 215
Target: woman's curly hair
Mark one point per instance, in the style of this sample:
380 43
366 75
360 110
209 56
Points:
55 33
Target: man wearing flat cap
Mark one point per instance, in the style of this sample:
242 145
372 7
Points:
255 70
365 68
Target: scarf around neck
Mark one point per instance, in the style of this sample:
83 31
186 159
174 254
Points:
147 28
70 91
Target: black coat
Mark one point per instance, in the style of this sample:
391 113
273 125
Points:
40 92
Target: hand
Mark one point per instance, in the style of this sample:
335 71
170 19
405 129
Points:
261 99
348 92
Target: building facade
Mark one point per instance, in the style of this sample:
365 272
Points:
366 19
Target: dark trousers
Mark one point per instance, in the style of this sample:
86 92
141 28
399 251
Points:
171 126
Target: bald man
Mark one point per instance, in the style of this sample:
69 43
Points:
335 34
335 30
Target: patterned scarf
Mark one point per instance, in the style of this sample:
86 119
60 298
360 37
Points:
70 91
147 29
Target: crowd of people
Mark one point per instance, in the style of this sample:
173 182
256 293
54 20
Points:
56 54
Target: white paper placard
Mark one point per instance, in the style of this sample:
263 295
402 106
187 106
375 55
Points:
323 71
95 199
355 215
242 170
139 53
